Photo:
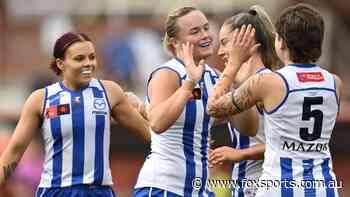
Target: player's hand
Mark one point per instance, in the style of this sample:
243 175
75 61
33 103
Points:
185 52
225 153
242 45
144 110
210 164
136 102
217 93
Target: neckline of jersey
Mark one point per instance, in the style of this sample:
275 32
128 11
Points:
73 91
179 60
303 65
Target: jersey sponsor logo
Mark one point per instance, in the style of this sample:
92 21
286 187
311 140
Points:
99 104
304 147
99 112
310 77
57 110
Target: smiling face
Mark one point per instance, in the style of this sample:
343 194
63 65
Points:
78 64
194 28
225 37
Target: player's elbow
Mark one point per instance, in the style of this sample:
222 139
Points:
157 127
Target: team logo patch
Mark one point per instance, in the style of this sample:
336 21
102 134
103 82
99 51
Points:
56 110
77 100
99 104
310 77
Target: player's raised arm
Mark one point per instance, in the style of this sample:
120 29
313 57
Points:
246 96
223 105
168 99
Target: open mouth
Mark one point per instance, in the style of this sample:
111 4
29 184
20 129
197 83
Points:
204 44
86 71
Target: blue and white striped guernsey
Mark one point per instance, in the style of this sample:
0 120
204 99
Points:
179 154
76 133
298 132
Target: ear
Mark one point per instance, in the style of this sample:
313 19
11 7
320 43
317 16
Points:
60 64
280 42
173 41
283 44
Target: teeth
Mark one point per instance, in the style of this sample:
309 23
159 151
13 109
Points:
85 71
206 44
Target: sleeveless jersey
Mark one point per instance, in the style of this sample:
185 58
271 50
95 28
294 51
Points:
298 132
76 133
247 169
179 155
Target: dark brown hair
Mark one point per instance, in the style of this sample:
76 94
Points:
61 46
264 32
171 27
301 27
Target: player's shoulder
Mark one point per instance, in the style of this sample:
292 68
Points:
38 94
337 79
338 84
113 90
268 83
172 67
269 78
35 100
167 75
111 87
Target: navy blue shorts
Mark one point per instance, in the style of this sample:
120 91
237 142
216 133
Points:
154 192
76 191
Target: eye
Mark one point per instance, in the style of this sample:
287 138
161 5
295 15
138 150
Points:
194 31
92 56
224 42
79 58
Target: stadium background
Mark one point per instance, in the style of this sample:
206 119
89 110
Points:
128 34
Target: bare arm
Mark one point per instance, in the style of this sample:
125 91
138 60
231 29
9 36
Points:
339 86
225 153
242 46
137 104
28 125
167 99
126 115
247 95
